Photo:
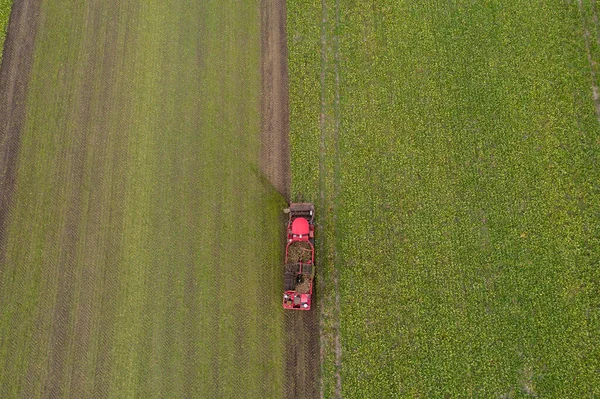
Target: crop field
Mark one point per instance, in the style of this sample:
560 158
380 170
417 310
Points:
141 254
458 188
4 15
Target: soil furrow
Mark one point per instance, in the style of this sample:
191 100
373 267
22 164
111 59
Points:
275 142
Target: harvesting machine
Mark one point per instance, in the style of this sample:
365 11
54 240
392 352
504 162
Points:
299 270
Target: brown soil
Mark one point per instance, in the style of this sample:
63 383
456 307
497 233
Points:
302 327
302 368
275 142
14 78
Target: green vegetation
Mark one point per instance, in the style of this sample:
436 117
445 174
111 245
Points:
5 6
460 174
143 251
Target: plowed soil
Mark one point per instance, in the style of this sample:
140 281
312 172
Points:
275 141
301 327
302 367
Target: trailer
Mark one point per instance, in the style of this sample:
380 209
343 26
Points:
299 265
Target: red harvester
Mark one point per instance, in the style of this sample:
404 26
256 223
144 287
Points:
299 270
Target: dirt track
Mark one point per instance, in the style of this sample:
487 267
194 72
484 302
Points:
302 368
275 141
302 365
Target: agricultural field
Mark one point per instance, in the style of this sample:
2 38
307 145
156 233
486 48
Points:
4 15
458 188
140 244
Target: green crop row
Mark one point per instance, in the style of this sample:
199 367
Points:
5 7
464 193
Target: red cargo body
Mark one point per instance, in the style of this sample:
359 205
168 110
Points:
299 267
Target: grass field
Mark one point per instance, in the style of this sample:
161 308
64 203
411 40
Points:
5 6
143 248
458 189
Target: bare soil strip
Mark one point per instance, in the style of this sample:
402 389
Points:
302 328
302 366
275 141
14 78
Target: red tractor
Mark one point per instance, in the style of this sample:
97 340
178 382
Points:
299 270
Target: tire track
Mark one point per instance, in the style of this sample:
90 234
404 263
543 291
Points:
329 189
275 141
302 353
301 341
109 288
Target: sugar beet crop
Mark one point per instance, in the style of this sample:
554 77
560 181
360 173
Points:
459 198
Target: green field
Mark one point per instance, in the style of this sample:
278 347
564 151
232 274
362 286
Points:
458 186
5 6
143 248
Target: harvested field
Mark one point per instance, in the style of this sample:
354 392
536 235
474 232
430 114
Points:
275 142
302 368
138 164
